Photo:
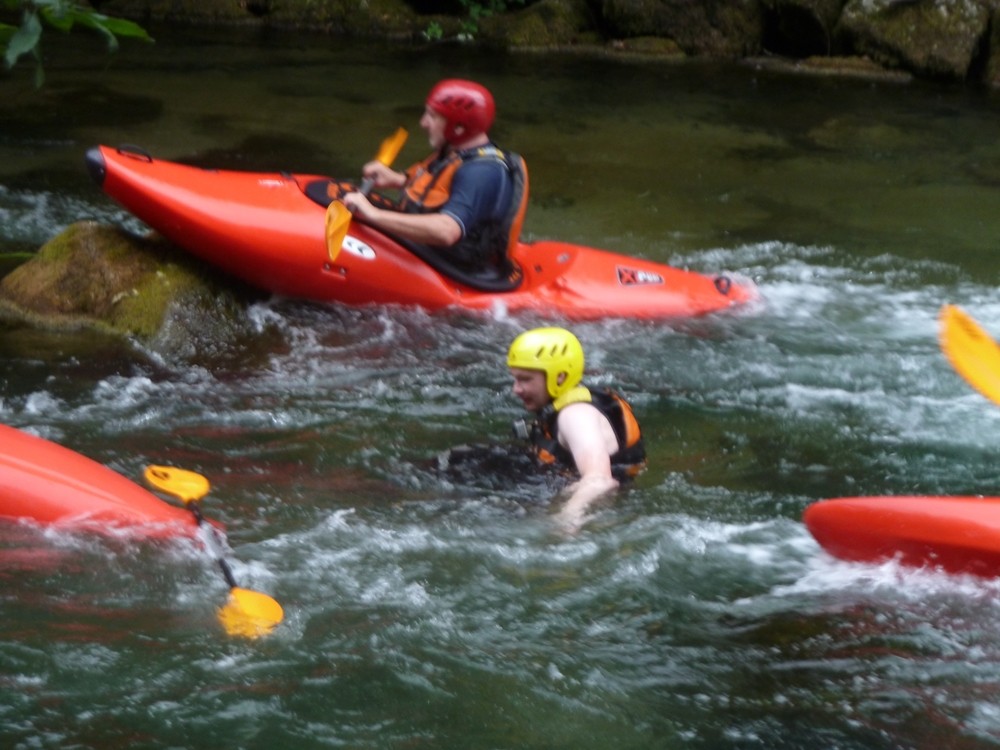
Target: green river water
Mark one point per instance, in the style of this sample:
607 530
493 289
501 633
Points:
442 610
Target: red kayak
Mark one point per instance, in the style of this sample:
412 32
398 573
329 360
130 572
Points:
954 534
48 484
264 228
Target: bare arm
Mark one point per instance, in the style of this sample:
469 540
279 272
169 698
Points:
438 230
588 435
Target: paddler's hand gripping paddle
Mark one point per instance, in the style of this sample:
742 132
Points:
247 613
971 351
338 217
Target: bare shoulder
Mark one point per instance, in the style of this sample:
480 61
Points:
580 412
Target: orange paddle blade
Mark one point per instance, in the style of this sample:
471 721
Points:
338 219
391 147
971 351
189 486
250 613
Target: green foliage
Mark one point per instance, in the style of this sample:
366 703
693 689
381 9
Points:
475 11
434 31
480 9
61 15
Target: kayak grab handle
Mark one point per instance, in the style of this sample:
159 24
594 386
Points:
136 152
723 284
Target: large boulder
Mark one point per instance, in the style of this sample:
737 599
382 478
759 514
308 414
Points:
711 28
393 19
144 288
936 39
991 73
547 24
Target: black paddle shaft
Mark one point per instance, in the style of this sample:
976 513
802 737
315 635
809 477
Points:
226 570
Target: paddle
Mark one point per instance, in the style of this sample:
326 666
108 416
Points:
971 351
247 613
338 217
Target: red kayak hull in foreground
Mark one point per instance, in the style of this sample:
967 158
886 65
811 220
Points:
264 230
954 534
48 484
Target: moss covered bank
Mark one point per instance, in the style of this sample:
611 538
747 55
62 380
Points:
952 40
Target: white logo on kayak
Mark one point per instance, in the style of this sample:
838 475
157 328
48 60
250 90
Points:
636 277
357 247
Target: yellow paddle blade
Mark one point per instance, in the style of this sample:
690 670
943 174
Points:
187 485
971 351
391 147
250 613
338 219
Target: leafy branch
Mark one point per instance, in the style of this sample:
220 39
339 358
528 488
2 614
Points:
62 15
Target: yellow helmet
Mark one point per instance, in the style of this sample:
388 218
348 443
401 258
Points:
554 351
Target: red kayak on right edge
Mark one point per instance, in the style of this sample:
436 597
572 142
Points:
952 534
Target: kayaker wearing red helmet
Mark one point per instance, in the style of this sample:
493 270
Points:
467 198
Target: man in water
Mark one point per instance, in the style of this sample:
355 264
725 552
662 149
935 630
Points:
467 198
594 433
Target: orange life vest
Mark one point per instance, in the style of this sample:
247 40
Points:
428 187
428 183
627 461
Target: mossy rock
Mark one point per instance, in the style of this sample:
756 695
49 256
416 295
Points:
372 18
711 28
547 24
10 261
934 39
104 278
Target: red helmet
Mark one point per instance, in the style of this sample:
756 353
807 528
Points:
467 107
